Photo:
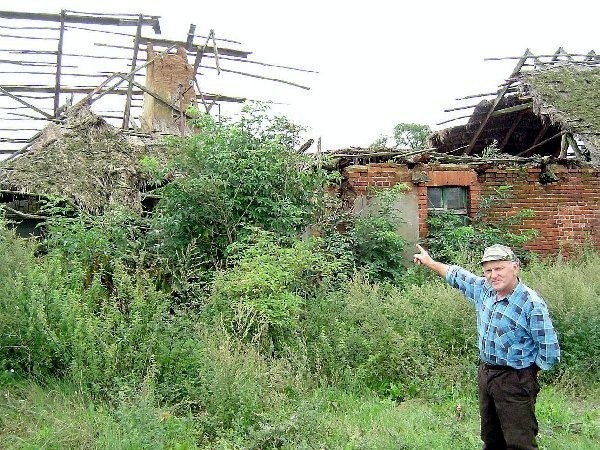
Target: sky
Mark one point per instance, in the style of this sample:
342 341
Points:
379 62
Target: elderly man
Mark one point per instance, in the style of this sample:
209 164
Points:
516 339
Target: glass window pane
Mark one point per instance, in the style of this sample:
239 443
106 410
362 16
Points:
434 197
456 198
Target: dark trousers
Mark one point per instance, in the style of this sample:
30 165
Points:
507 407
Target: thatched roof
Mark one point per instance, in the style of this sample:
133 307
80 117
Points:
85 160
570 97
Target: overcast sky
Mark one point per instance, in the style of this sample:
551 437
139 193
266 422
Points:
380 63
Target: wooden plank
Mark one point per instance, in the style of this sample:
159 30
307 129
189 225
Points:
61 37
227 58
198 58
136 47
564 145
8 27
511 109
251 75
459 108
95 90
216 53
190 36
503 91
13 36
30 63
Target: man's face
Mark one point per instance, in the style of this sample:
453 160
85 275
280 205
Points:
502 275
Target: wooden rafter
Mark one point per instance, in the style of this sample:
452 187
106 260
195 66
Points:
533 147
499 97
75 18
541 133
23 102
512 129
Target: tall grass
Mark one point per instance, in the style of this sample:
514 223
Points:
359 364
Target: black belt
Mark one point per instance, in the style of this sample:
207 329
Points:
500 367
497 367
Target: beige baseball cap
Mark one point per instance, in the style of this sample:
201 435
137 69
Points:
498 252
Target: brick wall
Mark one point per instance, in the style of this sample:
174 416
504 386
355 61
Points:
567 211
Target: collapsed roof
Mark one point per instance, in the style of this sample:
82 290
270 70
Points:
551 110
85 160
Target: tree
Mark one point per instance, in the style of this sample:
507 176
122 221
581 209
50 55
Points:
232 176
411 135
406 135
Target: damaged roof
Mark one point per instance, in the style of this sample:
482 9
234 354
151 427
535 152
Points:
85 160
552 109
570 97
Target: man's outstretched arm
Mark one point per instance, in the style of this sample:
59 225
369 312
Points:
423 258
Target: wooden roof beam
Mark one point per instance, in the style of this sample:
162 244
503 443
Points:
74 18
533 147
210 48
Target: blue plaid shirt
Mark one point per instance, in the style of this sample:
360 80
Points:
514 331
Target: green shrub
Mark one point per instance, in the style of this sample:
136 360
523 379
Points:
234 175
261 298
452 241
571 290
368 242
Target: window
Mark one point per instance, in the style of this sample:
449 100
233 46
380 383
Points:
447 198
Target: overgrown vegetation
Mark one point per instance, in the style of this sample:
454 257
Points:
453 241
220 322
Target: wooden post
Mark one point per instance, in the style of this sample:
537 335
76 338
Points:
136 47
59 63
190 37
575 146
564 145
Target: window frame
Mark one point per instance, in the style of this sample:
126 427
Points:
444 200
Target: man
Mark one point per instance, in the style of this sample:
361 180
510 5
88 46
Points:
515 338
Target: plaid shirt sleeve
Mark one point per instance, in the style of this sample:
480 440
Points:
466 282
543 333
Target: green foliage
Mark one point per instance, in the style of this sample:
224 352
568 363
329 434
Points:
571 290
405 135
235 175
411 135
290 344
370 241
452 241
376 243
97 242
261 297
350 334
